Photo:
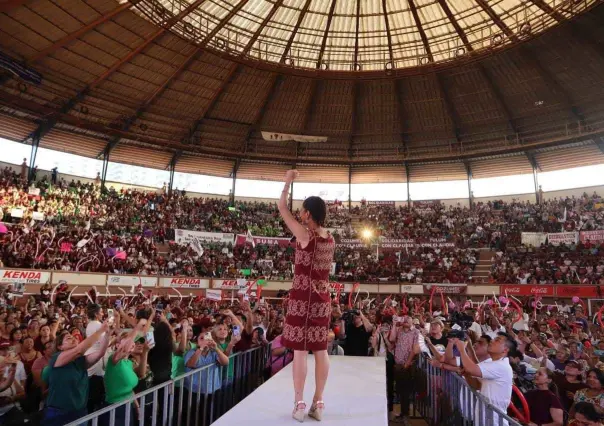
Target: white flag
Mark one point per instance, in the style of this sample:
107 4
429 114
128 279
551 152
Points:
250 238
82 243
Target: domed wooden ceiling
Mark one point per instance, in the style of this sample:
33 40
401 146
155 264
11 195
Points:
207 84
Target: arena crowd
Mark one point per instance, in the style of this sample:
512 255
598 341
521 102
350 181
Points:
64 358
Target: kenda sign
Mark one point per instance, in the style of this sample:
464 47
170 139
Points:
185 282
8 276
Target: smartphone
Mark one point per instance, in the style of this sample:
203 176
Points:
150 339
208 336
159 307
236 330
118 304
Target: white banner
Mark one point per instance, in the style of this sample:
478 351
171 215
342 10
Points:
232 284
184 282
534 239
412 289
37 216
25 277
284 137
131 280
214 294
562 238
16 212
34 191
184 236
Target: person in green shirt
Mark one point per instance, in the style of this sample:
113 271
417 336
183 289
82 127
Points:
67 376
121 377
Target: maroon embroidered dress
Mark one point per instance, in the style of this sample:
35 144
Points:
309 305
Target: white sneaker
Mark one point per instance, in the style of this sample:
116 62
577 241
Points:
298 413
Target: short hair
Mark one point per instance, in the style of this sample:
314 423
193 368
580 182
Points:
588 410
509 342
486 337
599 374
92 310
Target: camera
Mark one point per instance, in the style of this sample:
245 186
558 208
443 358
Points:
457 334
348 316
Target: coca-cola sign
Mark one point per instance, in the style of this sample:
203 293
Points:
527 290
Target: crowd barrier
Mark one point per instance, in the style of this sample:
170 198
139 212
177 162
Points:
197 398
444 398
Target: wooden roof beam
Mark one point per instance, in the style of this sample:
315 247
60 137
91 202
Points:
449 107
420 28
9 5
388 34
353 117
270 94
481 69
401 115
266 20
326 33
548 9
295 31
47 125
308 111
530 55
356 38
213 100
77 34
143 107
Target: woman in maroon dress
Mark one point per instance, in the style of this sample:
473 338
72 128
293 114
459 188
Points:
308 309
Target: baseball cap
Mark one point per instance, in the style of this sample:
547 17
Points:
573 363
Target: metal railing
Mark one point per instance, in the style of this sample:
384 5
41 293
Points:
197 398
445 398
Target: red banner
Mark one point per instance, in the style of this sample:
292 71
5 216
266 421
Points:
445 288
271 241
594 237
527 290
586 291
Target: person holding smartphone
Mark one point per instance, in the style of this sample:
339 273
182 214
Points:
208 381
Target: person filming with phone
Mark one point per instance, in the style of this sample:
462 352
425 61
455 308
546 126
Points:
496 377
209 381
357 333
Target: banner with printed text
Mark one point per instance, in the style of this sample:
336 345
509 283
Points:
215 295
534 239
398 243
184 236
594 237
130 280
558 238
184 282
232 284
586 291
269 241
8 276
381 203
445 288
526 290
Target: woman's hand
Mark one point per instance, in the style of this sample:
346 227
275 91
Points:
291 175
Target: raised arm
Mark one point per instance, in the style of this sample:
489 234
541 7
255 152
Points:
299 231
368 326
71 354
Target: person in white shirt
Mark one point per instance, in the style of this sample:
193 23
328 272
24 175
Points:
496 376
96 372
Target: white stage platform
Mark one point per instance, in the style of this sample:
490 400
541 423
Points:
355 396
